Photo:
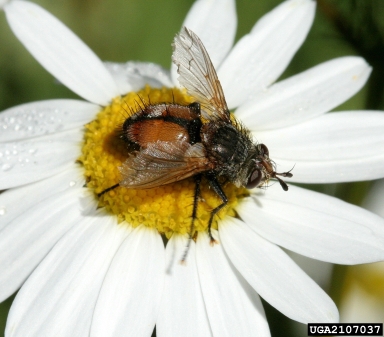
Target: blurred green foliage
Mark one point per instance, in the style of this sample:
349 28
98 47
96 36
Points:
122 30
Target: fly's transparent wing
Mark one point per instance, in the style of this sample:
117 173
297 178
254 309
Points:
198 75
162 163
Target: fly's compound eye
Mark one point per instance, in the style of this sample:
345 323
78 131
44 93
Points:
264 150
254 179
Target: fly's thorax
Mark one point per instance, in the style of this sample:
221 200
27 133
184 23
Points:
228 147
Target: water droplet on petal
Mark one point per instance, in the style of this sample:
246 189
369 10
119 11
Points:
6 167
72 183
3 210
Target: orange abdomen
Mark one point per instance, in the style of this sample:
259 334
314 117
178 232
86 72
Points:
150 131
162 122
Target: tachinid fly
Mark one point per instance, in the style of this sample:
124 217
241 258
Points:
171 142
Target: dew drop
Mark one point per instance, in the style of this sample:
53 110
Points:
3 210
72 183
6 167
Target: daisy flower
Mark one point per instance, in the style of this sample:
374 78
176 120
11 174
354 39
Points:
98 266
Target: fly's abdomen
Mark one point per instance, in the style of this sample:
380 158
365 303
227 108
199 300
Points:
162 122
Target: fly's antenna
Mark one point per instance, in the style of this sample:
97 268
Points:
283 184
288 174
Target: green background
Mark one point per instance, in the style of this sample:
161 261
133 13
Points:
122 30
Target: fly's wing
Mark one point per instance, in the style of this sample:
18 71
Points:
162 163
198 75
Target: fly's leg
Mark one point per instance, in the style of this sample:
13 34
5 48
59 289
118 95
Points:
194 212
219 191
108 189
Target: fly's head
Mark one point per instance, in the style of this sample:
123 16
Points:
261 169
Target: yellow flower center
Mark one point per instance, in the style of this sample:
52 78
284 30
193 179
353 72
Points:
168 208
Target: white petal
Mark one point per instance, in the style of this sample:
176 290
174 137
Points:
27 240
44 117
59 297
214 22
129 299
343 170
3 2
316 225
319 271
275 276
33 194
234 308
337 147
306 95
34 159
182 311
374 201
133 76
61 52
260 57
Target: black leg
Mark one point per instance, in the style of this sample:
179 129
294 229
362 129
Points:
217 188
194 211
108 189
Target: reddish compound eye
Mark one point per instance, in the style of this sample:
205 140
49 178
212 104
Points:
264 150
254 179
